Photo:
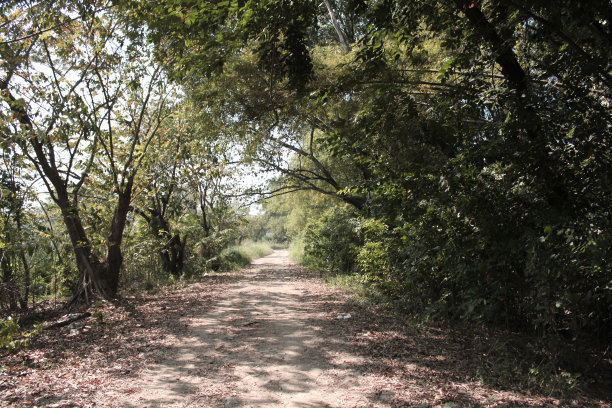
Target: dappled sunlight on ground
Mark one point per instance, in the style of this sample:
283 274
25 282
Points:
275 339
266 336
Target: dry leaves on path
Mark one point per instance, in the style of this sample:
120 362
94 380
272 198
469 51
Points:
66 367
270 335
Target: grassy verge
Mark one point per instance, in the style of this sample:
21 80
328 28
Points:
296 252
355 286
348 283
276 245
238 256
501 358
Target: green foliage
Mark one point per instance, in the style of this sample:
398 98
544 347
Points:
221 29
254 250
12 338
236 257
487 198
230 260
296 251
373 256
331 242
9 329
468 142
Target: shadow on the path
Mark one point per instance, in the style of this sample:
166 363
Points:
298 334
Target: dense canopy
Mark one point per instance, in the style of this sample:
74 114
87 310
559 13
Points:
454 156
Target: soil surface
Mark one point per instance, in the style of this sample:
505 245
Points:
272 335
263 344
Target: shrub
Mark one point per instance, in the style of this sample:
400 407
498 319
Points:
331 242
238 256
9 330
296 251
11 337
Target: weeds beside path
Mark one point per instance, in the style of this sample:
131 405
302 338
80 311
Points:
267 336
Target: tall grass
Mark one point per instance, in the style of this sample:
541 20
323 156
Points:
296 251
236 257
274 244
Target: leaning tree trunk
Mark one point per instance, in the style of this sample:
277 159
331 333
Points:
88 267
341 37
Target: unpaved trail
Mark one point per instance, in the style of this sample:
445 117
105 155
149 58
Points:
262 345
267 336
271 337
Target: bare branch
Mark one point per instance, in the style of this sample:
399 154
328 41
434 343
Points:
55 27
341 37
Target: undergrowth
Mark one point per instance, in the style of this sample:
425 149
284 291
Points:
520 361
357 288
296 251
238 256
12 337
230 259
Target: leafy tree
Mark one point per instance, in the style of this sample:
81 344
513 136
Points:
509 187
159 201
13 258
471 140
84 99
476 134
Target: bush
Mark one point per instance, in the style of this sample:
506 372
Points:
296 251
232 259
254 250
331 242
236 257
11 337
9 330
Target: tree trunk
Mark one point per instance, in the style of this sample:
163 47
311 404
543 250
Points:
9 282
23 300
109 273
341 37
173 255
506 58
88 267
202 198
101 276
556 193
205 224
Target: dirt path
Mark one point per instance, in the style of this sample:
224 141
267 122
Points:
267 336
262 345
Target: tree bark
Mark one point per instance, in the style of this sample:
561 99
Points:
9 281
205 224
341 37
506 58
114 257
23 300
172 253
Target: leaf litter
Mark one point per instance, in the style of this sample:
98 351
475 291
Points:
256 338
